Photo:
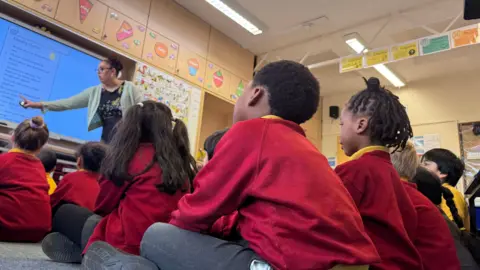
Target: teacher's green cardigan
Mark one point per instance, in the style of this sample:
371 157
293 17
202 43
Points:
90 98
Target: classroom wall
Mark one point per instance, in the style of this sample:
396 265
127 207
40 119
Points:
435 106
161 33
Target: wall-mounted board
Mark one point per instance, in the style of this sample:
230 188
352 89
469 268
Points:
87 16
124 33
160 51
183 98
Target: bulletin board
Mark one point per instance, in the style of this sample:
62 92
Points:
183 99
45 7
87 16
124 33
470 146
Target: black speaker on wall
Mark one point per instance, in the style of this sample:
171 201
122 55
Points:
334 112
472 10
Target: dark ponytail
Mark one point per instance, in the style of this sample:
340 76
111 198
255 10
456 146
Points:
151 122
180 134
448 196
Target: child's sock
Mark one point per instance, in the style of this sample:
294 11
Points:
61 249
101 255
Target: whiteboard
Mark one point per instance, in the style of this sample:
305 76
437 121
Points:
181 97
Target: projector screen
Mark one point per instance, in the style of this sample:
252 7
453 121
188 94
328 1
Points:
42 69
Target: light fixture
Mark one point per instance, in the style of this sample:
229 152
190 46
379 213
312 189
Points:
356 45
232 14
354 42
389 75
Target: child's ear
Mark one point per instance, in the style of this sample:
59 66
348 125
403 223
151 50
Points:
79 163
256 96
361 125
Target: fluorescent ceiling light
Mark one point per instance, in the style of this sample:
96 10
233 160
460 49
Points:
232 14
389 75
359 48
356 45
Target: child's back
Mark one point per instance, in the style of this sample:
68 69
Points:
387 212
295 208
81 187
372 121
130 209
25 213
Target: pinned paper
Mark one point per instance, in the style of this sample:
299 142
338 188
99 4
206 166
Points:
351 63
161 49
96 30
125 31
467 36
376 57
405 51
152 35
141 28
137 42
85 8
431 45
174 46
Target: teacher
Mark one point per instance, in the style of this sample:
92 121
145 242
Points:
106 102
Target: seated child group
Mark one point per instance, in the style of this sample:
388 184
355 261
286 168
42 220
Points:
264 198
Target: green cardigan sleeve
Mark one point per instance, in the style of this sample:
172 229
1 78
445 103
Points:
76 102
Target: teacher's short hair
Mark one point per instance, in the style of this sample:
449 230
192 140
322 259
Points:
114 64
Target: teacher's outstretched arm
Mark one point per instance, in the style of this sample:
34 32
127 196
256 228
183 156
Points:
76 102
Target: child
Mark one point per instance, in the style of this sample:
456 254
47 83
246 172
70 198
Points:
25 214
81 188
372 121
429 185
293 209
147 169
432 238
49 161
449 168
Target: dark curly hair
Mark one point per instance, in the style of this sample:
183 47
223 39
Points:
293 91
92 154
388 123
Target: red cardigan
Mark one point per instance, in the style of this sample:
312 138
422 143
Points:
80 188
387 212
292 208
433 239
130 209
25 214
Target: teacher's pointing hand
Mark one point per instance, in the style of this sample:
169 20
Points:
30 104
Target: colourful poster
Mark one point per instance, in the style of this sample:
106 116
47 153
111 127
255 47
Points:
405 51
466 36
431 45
351 63
376 57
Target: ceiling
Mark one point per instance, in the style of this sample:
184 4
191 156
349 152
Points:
314 30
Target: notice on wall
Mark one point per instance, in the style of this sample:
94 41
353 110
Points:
426 143
466 36
332 162
437 44
181 97
376 57
351 63
404 51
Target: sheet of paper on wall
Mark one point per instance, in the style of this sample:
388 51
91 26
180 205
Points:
426 142
182 98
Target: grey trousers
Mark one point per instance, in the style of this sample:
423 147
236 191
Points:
172 248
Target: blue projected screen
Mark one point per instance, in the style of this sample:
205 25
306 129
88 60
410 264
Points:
42 69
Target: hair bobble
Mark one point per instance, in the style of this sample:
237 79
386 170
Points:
140 104
35 126
373 84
